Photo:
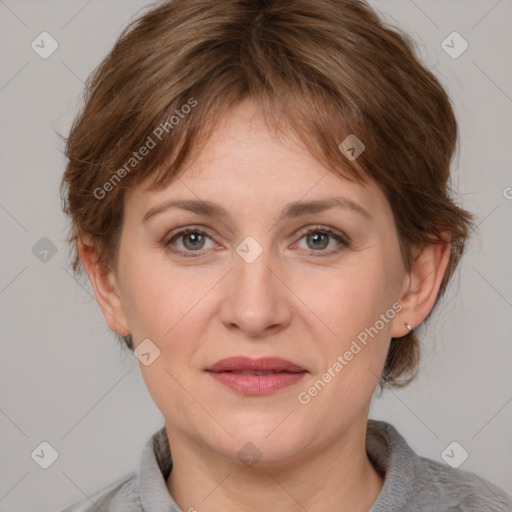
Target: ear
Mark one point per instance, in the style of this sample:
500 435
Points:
105 287
421 286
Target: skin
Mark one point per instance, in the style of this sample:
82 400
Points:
287 303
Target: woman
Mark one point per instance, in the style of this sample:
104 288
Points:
259 195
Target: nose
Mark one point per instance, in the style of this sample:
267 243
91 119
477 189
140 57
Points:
256 301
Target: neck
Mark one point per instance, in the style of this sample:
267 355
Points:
335 477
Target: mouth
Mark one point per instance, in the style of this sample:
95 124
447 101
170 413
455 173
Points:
241 372
247 364
262 376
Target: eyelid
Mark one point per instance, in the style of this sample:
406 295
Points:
343 239
325 229
179 232
192 228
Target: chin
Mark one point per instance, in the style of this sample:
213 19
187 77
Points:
262 442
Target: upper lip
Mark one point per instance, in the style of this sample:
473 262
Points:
243 363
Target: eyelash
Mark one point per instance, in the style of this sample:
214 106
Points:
342 239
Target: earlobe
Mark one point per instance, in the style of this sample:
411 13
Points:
422 287
105 287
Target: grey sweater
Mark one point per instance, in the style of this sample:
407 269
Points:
412 483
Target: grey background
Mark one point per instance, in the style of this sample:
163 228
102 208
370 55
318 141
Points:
62 378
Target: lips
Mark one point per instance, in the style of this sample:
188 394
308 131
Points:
241 364
263 376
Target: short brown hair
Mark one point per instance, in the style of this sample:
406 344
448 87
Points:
319 70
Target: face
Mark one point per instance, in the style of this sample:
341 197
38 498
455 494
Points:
259 279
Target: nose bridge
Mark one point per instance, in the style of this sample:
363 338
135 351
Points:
256 299
252 269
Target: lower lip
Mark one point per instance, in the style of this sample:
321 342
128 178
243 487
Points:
257 384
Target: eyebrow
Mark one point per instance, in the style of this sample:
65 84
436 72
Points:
291 210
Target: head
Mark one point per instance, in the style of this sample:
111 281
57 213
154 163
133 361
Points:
252 106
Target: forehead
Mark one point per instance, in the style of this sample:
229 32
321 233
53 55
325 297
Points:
245 163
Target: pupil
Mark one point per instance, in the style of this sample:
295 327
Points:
316 237
194 236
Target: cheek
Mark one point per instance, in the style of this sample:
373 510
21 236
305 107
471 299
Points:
170 309
354 298
351 305
160 298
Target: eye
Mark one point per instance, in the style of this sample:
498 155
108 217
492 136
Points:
318 239
192 240
187 241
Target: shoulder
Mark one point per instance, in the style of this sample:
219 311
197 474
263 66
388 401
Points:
413 483
119 496
460 490
141 490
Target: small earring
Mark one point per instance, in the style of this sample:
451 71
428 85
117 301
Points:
408 327
129 341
